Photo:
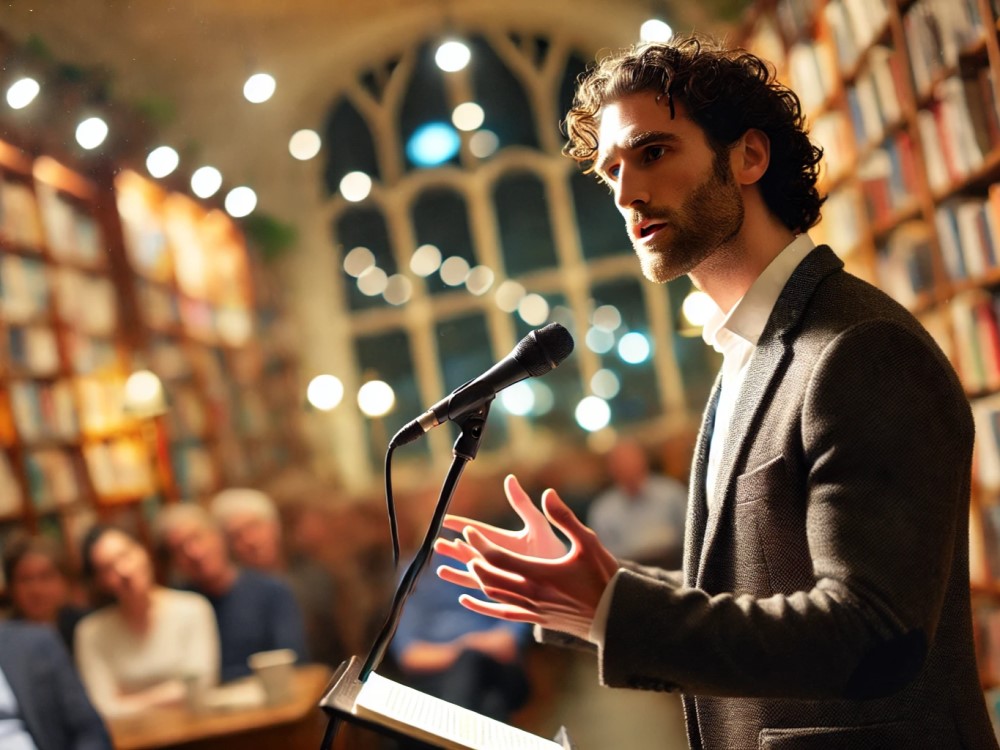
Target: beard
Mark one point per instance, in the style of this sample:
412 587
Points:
709 218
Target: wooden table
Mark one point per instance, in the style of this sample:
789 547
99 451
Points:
296 725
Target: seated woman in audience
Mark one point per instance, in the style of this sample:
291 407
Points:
40 585
147 642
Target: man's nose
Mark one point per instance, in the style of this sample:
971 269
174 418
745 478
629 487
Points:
631 189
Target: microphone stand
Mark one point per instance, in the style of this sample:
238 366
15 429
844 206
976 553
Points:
465 449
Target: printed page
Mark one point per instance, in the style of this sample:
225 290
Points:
405 707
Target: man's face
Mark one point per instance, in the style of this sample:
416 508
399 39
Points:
255 541
38 588
197 551
680 202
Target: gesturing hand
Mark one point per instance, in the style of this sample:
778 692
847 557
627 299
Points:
529 574
535 538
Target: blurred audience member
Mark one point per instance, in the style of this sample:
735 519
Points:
144 646
39 584
43 705
255 611
640 517
465 658
252 526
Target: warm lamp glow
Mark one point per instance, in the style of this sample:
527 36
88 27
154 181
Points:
144 396
452 56
240 202
22 93
325 392
91 132
259 88
162 161
376 398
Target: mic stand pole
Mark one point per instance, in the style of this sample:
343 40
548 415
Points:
465 449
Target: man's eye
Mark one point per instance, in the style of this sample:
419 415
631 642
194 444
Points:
654 152
613 171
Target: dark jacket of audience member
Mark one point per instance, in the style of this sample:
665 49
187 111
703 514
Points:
259 613
50 700
255 611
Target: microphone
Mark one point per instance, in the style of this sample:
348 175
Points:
535 354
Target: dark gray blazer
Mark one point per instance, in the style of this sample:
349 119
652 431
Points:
829 606
52 702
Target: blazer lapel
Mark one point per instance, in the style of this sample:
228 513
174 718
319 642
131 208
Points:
769 357
697 510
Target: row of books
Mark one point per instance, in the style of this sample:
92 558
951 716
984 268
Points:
986 637
24 288
19 219
194 469
986 412
32 349
904 263
65 409
968 232
120 468
796 16
854 25
889 180
813 73
937 32
874 100
72 234
11 496
833 132
974 316
44 411
843 220
85 301
958 128
33 217
53 478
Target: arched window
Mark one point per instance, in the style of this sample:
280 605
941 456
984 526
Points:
365 228
523 218
440 219
598 222
350 147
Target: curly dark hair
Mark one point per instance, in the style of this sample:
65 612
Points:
726 92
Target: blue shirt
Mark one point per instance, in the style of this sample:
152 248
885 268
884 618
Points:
258 613
433 614
13 734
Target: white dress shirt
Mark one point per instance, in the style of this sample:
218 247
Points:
735 335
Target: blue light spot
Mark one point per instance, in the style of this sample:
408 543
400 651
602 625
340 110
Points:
432 144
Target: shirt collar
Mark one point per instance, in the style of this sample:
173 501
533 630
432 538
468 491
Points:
749 315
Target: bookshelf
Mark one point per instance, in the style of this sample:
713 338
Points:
70 454
213 332
104 272
903 97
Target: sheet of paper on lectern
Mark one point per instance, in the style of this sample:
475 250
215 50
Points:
418 714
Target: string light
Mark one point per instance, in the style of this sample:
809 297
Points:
22 92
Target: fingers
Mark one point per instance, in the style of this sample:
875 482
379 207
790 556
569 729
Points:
457 576
458 523
520 501
560 515
499 611
456 549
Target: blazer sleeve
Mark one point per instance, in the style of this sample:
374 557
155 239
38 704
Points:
887 440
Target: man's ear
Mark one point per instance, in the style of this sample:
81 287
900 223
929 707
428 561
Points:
752 154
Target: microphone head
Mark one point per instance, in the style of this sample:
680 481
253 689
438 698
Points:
543 349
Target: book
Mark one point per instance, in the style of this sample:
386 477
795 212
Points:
397 709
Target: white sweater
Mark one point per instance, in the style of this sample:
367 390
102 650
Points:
126 672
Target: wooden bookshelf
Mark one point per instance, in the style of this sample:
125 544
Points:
104 272
903 96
